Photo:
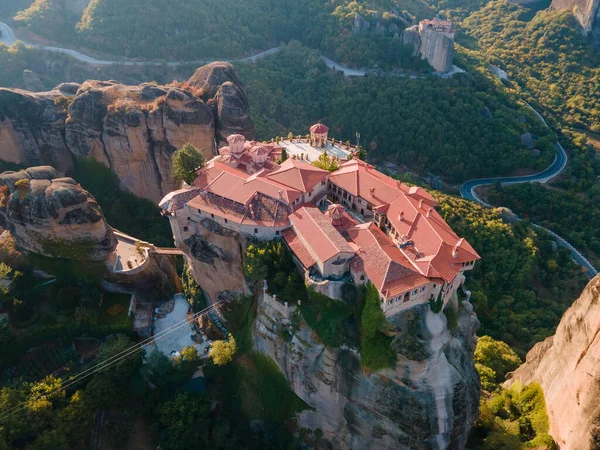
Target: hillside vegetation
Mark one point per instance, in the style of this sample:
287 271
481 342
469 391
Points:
522 286
196 29
430 124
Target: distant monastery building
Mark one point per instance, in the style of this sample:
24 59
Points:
434 41
353 225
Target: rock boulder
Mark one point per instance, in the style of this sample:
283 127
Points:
53 216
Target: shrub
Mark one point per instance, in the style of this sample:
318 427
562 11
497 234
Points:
221 352
22 183
376 350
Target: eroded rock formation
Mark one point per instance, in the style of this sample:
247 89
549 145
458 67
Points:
429 400
215 255
53 216
587 12
567 366
434 41
134 130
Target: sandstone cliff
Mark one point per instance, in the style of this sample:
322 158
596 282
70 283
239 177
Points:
134 130
429 400
215 255
53 216
587 12
567 366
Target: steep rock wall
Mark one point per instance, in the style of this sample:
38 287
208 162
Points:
215 255
567 366
587 12
427 402
134 130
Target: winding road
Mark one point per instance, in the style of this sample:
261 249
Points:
8 37
467 190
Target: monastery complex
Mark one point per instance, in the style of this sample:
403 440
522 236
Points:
352 225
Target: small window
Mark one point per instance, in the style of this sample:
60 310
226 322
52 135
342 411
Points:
434 285
362 278
189 218
422 289
212 216
277 232
185 228
225 220
359 201
199 211
362 212
255 230
415 292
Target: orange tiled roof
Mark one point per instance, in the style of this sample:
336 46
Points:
389 270
298 174
318 235
319 128
298 248
411 212
363 180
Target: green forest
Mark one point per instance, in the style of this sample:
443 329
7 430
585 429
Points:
429 124
192 30
522 285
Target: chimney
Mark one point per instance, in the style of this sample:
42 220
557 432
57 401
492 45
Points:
420 203
280 194
401 215
455 249
429 213
372 190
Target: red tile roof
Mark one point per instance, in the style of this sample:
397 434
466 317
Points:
298 248
387 268
235 138
363 180
411 212
318 235
298 174
319 128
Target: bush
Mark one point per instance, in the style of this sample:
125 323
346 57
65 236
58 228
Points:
376 350
221 352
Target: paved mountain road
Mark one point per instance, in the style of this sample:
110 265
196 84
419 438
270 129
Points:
467 190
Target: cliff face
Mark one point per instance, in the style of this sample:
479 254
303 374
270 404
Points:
53 216
215 255
587 12
567 366
434 46
32 129
134 130
429 400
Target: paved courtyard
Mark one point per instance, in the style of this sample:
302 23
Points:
175 339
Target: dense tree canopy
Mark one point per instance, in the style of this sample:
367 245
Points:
430 124
185 162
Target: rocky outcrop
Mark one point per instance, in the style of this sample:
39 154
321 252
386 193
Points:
32 129
156 281
133 130
587 12
215 255
429 400
53 216
567 366
434 41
